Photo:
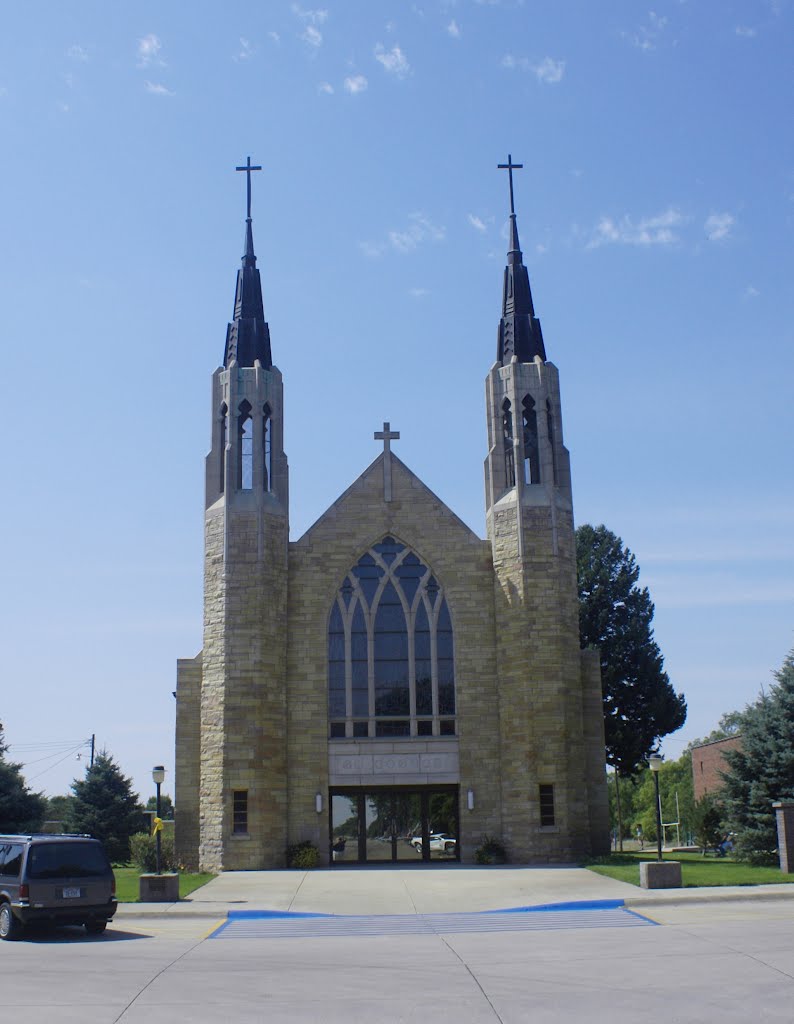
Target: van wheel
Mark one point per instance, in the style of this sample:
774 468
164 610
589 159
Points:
95 927
10 928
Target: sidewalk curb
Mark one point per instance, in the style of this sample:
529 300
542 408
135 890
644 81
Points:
678 897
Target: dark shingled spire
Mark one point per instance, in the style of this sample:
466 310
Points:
248 336
519 329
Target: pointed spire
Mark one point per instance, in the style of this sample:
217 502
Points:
519 329
248 335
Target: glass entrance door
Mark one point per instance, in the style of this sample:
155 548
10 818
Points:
394 825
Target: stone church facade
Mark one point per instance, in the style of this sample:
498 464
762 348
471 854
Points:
389 687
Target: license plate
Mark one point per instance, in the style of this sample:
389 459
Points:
71 893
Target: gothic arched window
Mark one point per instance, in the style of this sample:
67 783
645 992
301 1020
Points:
391 665
552 439
531 455
507 432
222 447
245 447
267 444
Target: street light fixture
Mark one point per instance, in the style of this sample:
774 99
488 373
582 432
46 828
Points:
655 763
158 776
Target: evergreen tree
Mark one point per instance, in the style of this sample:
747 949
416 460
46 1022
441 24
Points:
615 615
762 772
105 807
20 809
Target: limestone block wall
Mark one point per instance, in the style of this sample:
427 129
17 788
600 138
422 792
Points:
187 761
540 680
243 704
461 561
595 743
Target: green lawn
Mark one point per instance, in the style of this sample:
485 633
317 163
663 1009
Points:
696 870
127 883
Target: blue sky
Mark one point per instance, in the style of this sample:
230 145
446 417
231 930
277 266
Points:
655 210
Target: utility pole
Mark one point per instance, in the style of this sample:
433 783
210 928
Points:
93 743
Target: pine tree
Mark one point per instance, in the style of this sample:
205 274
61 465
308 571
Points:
615 615
20 809
105 807
762 772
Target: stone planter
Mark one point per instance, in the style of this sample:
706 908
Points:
660 874
159 888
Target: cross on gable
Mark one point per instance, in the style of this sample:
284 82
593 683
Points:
510 167
387 435
248 168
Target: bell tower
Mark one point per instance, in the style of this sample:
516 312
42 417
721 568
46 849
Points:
242 789
551 720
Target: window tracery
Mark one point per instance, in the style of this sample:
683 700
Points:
391 668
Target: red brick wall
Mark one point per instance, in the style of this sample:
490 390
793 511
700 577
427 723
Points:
708 762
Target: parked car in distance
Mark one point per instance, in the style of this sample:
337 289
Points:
439 843
54 879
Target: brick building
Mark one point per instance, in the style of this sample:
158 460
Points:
708 761
389 686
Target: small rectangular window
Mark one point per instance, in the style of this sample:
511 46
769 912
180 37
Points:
240 811
11 860
546 794
424 727
337 730
447 727
361 728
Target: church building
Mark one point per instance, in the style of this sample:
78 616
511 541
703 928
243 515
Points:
389 687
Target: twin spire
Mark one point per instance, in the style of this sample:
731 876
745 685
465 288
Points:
520 335
248 335
519 329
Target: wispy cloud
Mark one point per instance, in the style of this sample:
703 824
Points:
274 36
325 88
246 50
355 84
476 222
419 230
149 51
311 19
549 70
394 60
657 230
418 293
77 53
646 36
158 89
751 292
718 226
63 107
745 31
453 29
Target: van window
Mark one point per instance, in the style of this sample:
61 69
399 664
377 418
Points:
11 859
67 860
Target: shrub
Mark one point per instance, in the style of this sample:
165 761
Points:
490 851
303 855
143 851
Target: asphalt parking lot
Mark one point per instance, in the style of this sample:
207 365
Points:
691 961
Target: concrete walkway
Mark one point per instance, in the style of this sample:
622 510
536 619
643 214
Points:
421 890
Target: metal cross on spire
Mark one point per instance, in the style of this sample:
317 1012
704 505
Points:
387 435
509 167
248 168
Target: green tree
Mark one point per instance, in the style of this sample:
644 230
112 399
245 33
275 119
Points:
166 806
106 808
708 827
615 615
21 810
763 770
676 794
58 808
730 724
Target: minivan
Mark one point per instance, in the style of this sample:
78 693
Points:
54 879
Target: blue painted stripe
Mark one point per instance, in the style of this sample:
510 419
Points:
570 905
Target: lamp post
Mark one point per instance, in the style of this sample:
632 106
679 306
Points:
655 763
158 775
